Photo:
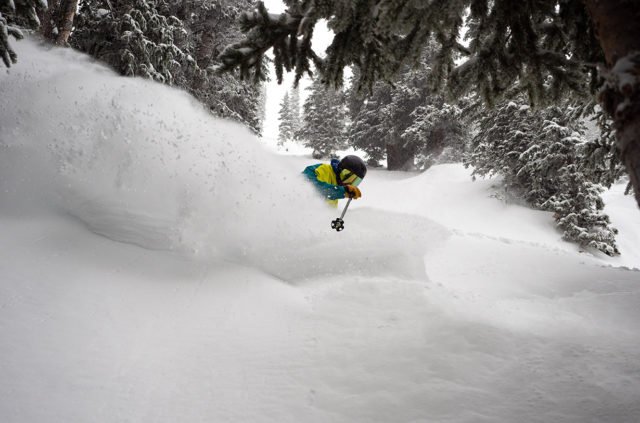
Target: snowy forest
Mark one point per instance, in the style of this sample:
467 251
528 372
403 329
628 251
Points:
527 122
162 262
176 43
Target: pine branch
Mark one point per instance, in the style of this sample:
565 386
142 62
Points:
264 31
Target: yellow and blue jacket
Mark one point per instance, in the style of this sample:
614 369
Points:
325 180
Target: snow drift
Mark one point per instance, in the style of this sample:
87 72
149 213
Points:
142 163
116 152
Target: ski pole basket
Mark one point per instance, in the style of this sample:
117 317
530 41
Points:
338 224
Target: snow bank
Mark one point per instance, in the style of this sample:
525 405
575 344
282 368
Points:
134 160
446 194
142 163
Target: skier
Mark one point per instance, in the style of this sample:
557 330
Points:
337 180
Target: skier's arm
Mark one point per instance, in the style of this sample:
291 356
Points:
330 192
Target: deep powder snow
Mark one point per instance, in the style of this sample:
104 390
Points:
160 265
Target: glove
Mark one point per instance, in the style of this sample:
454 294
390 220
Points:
352 192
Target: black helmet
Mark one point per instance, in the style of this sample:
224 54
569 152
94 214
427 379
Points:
353 164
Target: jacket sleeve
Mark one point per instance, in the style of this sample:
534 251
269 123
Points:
328 191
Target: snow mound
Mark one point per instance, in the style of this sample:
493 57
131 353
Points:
139 162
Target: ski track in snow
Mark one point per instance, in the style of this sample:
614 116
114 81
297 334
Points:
227 297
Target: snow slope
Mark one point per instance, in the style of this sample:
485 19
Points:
159 265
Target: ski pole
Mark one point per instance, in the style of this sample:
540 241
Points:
345 208
338 224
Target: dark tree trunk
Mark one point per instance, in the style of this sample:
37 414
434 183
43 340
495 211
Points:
65 21
46 19
57 20
436 143
209 46
616 25
400 157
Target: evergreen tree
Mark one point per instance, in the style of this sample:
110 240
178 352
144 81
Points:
177 43
209 26
368 130
133 36
57 21
603 162
285 128
540 154
408 124
509 50
262 107
13 16
294 109
439 131
324 121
